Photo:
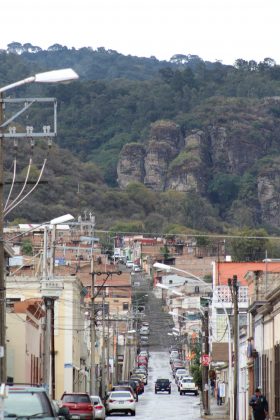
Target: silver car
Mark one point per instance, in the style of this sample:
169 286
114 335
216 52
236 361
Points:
99 407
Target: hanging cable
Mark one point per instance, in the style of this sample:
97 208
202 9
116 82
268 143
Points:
7 207
29 192
32 143
14 172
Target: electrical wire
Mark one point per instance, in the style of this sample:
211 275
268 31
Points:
29 192
12 186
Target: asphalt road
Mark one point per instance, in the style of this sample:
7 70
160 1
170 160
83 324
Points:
163 406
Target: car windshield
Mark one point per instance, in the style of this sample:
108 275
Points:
26 404
76 399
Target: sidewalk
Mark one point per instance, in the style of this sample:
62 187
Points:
217 411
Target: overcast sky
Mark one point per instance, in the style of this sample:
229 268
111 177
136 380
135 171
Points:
213 29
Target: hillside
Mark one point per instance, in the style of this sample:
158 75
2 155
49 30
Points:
148 145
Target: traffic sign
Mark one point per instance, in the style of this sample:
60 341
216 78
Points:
205 360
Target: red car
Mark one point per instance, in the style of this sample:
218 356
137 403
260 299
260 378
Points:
79 405
142 361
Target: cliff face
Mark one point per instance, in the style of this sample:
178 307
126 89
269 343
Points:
168 160
268 183
131 165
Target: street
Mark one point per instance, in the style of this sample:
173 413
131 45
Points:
163 406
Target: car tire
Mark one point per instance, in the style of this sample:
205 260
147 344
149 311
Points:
181 392
155 392
196 393
169 392
133 413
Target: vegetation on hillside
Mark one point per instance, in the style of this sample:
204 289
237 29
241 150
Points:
114 103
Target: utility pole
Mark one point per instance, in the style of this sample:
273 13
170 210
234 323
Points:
205 361
92 335
3 359
234 288
103 388
108 350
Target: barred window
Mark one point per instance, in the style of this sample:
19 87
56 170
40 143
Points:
265 383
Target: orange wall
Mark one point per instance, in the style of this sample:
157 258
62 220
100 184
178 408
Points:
228 269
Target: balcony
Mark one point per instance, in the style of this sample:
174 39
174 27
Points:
222 296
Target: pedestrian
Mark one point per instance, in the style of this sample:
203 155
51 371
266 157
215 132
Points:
259 405
221 392
219 398
212 384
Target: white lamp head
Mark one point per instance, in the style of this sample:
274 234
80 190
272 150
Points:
62 219
56 76
161 266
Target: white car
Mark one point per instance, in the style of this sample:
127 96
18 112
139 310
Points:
99 407
129 264
120 402
187 385
179 373
144 330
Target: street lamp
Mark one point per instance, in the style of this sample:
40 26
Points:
55 76
169 268
50 290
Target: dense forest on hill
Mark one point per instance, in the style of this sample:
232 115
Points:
115 102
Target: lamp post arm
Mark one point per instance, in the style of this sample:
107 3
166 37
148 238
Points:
30 79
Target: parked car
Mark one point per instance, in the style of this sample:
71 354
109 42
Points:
142 361
140 384
136 268
179 373
120 402
98 406
129 264
24 401
162 385
144 330
125 387
140 379
142 376
187 385
79 404
134 385
144 353
145 376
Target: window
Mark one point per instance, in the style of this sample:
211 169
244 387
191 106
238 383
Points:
125 306
265 383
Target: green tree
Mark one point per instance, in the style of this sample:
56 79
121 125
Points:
250 247
27 248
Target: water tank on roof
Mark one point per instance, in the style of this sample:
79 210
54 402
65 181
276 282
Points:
228 258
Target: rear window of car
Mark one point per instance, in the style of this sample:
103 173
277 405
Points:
71 398
27 404
95 400
118 394
187 380
163 381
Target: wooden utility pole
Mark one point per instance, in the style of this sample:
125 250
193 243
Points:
92 335
205 361
234 288
3 360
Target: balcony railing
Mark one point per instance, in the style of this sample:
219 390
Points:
223 294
